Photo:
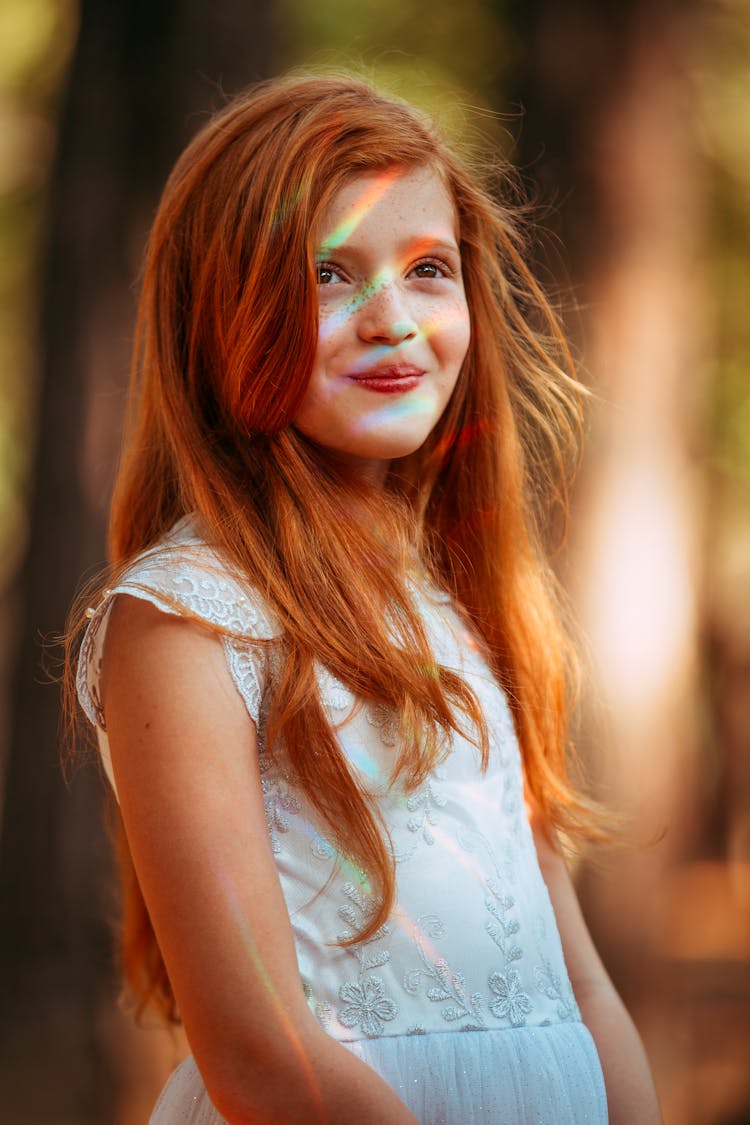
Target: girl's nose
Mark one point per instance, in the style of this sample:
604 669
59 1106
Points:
386 319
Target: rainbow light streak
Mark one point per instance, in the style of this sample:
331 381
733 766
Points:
365 763
368 199
335 320
415 933
287 1027
404 922
409 405
475 796
286 207
382 278
339 316
407 924
464 859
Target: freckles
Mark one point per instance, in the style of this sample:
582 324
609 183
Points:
448 324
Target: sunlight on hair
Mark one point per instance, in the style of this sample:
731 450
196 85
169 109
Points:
430 669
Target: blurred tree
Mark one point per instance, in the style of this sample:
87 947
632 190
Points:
140 73
610 103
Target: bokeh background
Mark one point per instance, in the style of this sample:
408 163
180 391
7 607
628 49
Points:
630 123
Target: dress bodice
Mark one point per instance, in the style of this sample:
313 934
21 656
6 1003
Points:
472 941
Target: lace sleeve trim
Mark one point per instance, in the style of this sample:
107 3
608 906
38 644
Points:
178 585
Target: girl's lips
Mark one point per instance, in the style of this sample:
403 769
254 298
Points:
395 379
388 384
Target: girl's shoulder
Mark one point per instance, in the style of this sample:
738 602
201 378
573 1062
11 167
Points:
184 575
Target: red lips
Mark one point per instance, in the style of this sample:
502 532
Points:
387 371
390 379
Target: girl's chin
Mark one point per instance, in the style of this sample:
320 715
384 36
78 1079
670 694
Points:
372 447
391 451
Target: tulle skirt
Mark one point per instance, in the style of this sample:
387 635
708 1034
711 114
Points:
517 1076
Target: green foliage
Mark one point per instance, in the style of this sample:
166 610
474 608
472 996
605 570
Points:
36 39
443 56
723 86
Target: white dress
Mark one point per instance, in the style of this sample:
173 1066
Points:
461 1001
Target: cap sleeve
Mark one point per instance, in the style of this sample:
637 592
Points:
186 578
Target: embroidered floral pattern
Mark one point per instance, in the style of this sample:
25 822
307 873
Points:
510 1002
333 694
423 804
367 1006
324 1013
385 721
278 800
243 663
320 1008
322 848
550 984
442 985
501 929
355 912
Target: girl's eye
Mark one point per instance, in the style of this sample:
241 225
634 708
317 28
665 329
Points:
326 274
430 270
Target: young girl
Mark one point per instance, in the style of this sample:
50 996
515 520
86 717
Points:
328 676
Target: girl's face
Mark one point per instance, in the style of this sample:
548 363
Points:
393 319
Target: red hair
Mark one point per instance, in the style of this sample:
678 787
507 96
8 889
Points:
226 337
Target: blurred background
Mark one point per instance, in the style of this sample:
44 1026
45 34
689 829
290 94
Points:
630 122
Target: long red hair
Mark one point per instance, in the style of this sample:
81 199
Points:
226 337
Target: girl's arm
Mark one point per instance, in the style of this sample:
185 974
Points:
185 759
631 1095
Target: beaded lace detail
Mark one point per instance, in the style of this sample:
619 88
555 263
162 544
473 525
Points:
183 576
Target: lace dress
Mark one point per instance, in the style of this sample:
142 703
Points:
461 1001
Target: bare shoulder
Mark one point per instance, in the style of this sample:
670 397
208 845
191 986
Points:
162 661
178 729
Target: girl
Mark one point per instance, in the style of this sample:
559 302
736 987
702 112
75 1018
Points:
328 675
